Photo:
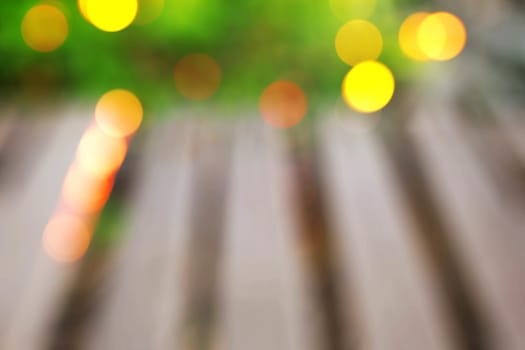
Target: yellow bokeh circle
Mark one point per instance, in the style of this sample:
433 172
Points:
368 87
119 113
82 8
442 36
408 36
44 28
110 15
358 41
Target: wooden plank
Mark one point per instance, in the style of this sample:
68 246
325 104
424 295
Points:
264 301
212 155
33 285
388 289
17 159
147 292
22 141
511 120
503 38
486 231
7 124
24 144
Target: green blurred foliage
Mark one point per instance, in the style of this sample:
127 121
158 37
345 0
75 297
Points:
255 42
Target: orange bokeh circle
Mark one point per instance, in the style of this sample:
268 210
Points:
283 104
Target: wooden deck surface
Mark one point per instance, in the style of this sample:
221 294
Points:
214 252
403 230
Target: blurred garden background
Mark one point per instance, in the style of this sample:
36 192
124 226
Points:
252 43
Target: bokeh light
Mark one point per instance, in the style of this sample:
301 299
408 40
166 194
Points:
119 113
358 41
149 11
283 104
197 76
111 16
89 180
352 9
84 193
408 36
66 238
442 36
44 28
99 154
368 87
82 8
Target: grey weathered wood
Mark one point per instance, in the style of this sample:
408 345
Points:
511 120
22 144
486 232
212 155
503 37
7 123
147 291
33 286
388 290
22 141
264 294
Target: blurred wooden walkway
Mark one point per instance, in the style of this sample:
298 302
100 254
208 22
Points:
405 231
409 236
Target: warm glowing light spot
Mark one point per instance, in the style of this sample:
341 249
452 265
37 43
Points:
283 104
100 154
149 11
82 8
44 28
442 36
119 113
358 41
408 36
197 76
351 9
66 238
84 193
368 87
111 16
